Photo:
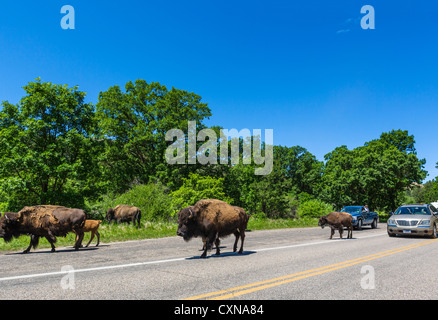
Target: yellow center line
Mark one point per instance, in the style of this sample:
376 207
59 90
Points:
256 286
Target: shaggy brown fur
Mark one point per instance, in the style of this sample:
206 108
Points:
92 226
124 213
212 219
338 220
42 221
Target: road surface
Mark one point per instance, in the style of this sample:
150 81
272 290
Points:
276 265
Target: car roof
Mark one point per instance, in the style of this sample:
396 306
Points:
415 205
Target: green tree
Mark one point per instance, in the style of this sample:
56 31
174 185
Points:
336 179
133 125
295 171
376 174
46 147
426 194
300 168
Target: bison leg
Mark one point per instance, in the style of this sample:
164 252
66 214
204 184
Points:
33 242
138 217
209 243
332 232
341 230
242 238
217 243
207 246
204 254
237 235
91 239
52 243
79 238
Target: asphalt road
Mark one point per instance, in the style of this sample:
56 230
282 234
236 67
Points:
276 265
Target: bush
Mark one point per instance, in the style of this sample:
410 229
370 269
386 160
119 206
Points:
197 187
314 209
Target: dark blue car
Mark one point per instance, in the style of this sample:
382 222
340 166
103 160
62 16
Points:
362 218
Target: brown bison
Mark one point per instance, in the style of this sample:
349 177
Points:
124 213
338 220
212 219
91 226
43 221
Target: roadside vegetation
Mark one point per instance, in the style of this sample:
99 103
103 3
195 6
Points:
56 148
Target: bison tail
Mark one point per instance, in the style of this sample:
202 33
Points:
35 241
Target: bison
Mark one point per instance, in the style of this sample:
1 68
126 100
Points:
92 226
124 213
338 220
43 221
212 219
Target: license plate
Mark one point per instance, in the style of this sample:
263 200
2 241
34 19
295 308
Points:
406 231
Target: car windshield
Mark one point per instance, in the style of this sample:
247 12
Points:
351 209
412 210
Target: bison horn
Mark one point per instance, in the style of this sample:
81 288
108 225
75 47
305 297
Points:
191 214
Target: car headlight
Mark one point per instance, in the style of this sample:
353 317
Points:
391 221
424 223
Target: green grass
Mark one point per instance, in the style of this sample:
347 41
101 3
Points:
124 232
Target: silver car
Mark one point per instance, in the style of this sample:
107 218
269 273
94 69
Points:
414 219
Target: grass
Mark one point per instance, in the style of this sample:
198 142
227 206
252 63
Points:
124 232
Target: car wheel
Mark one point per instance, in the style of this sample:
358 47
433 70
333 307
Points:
359 224
374 224
391 234
434 235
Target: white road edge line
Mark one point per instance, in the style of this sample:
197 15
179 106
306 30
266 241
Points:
35 275
313 243
90 269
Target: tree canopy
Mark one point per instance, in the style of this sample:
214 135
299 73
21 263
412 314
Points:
55 148
376 174
46 146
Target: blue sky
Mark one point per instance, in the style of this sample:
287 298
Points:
305 69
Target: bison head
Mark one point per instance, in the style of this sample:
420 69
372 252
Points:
110 214
322 222
9 225
187 224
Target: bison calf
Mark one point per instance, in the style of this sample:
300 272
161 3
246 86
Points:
91 226
338 220
212 219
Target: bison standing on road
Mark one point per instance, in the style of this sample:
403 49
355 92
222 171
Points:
338 220
212 219
43 221
124 213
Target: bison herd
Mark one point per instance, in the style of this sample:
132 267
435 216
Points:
56 221
209 219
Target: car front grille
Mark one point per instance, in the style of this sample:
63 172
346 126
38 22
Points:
407 223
